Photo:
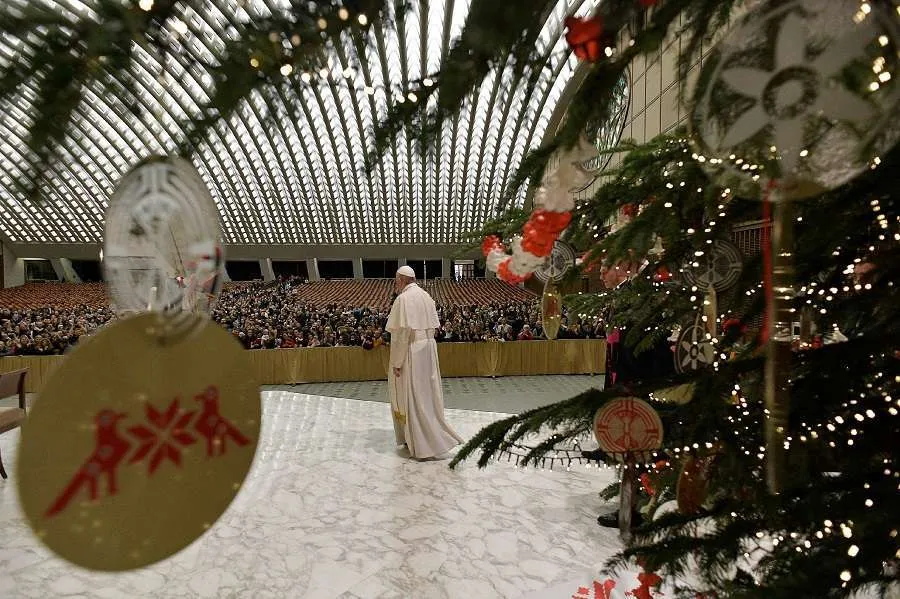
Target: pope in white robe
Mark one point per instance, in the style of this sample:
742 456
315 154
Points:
414 379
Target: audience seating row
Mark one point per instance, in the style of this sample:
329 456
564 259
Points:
368 293
377 293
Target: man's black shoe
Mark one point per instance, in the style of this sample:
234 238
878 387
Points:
611 520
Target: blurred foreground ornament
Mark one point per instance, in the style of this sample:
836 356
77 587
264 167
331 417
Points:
693 483
135 448
162 244
797 99
551 309
628 426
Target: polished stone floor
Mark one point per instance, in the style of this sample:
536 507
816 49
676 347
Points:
508 395
331 509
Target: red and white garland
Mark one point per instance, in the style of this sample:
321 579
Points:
554 201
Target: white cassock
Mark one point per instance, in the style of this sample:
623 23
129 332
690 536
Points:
417 400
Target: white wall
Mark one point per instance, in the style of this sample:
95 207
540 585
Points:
13 269
654 107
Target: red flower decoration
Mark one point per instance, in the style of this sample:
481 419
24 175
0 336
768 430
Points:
507 275
161 440
490 243
583 36
630 210
648 581
537 246
662 274
547 222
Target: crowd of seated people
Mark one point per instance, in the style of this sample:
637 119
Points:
288 313
31 323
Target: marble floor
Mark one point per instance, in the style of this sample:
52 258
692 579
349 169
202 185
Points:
332 510
509 395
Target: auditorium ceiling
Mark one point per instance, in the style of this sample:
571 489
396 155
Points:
283 178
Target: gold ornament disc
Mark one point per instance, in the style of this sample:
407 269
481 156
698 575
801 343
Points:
136 445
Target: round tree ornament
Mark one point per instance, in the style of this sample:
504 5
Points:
694 349
628 426
801 92
162 250
718 267
135 448
561 259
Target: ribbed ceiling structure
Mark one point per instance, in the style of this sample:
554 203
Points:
295 178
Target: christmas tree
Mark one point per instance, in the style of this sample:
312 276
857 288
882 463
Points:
814 514
799 498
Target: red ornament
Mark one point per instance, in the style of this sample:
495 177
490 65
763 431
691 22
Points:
630 210
649 581
583 36
490 243
546 221
647 3
662 274
537 246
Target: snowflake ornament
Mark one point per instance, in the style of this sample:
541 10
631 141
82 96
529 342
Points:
801 92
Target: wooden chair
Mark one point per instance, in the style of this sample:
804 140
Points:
12 383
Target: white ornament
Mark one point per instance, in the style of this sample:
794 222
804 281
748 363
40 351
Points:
494 258
162 249
693 350
561 259
719 266
522 262
776 102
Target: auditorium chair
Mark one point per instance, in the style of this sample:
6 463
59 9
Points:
12 383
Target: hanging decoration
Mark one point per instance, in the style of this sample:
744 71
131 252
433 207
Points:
585 37
717 268
662 274
560 260
136 446
797 99
551 309
628 428
694 349
162 251
554 201
693 483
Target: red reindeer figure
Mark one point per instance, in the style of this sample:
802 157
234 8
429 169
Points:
109 451
213 426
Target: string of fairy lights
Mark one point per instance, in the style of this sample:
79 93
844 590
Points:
878 398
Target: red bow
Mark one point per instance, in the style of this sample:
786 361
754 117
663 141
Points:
583 36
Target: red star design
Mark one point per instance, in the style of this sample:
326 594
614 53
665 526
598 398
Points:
162 438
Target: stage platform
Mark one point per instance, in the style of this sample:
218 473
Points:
332 509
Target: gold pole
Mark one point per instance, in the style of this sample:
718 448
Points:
780 315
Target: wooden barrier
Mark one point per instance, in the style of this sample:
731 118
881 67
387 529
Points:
334 364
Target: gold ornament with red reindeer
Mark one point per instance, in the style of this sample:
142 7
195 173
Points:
782 107
136 446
